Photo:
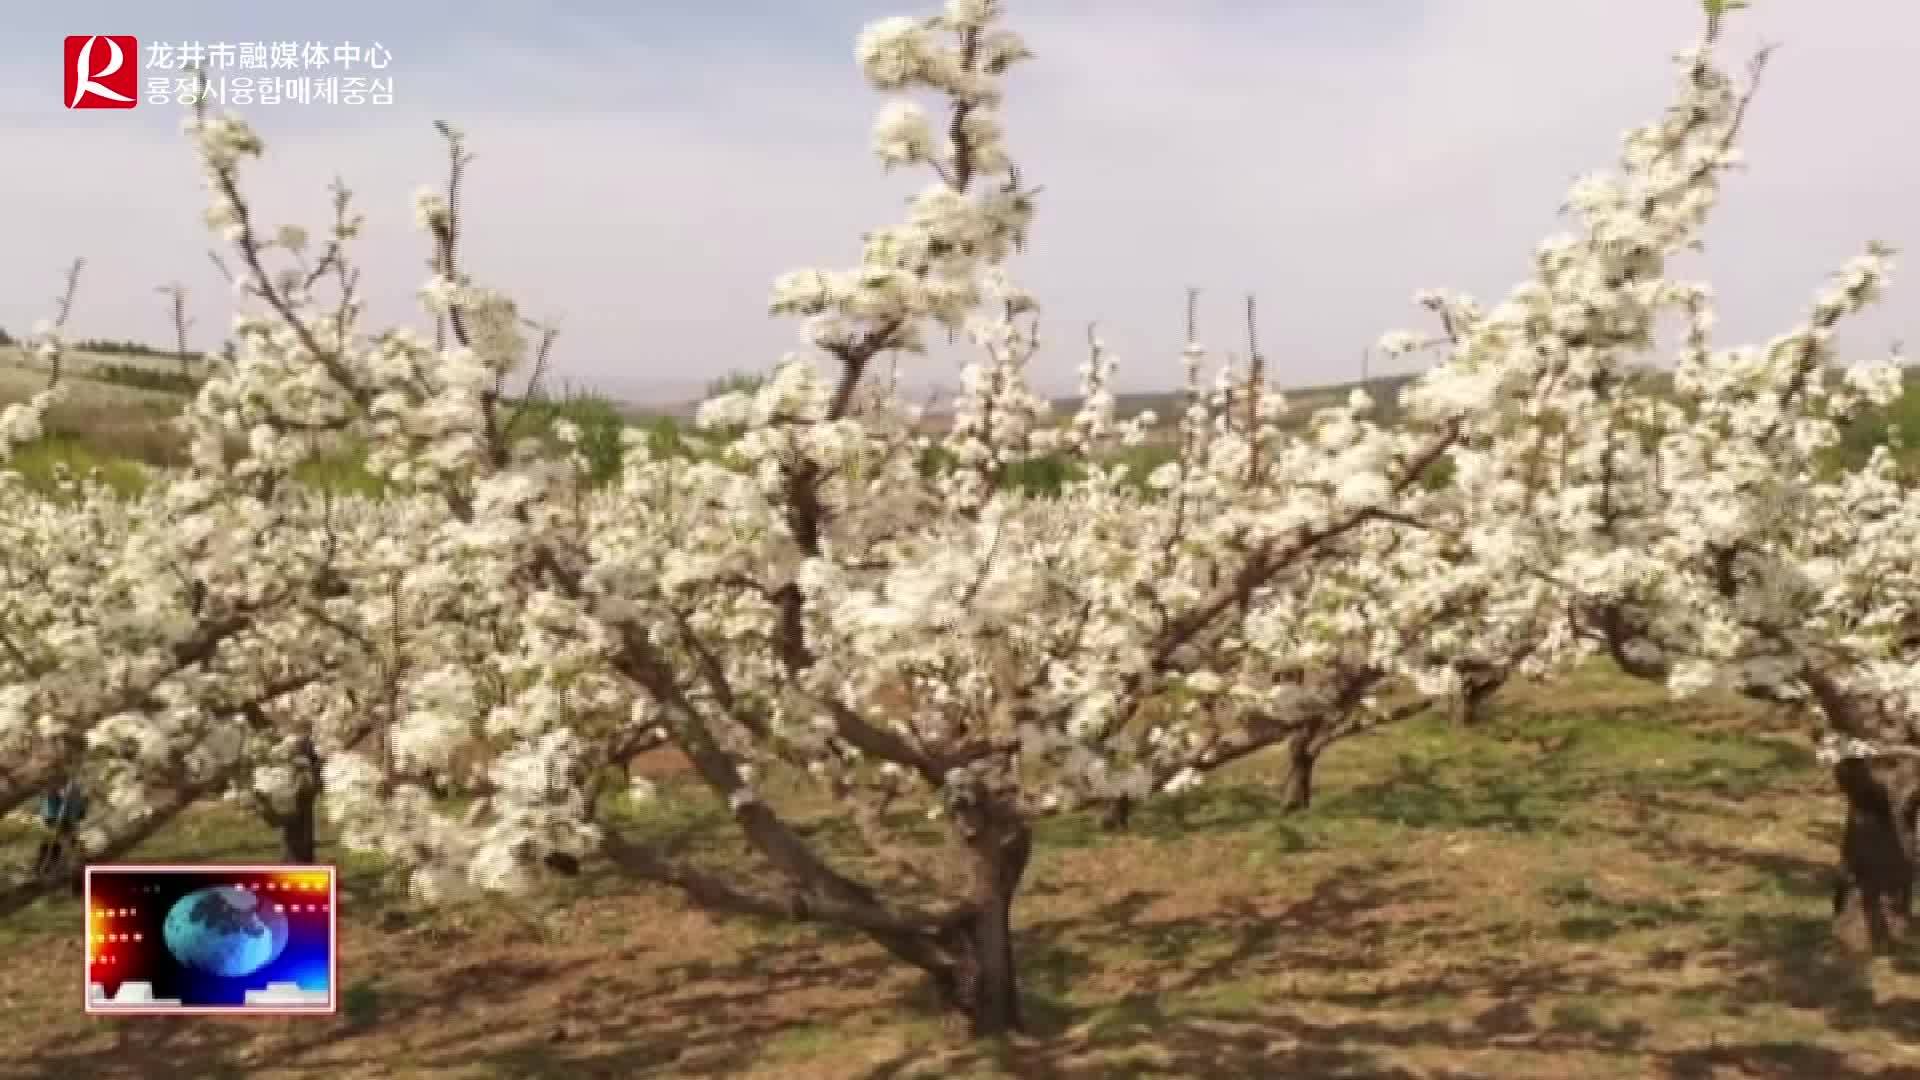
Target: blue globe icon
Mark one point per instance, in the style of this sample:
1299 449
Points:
223 930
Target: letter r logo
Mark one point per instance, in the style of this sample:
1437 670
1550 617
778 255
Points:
101 72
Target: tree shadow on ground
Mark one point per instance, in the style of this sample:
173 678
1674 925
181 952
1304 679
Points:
1784 960
1141 1034
1264 1042
1211 996
722 1027
1795 961
1168 1046
717 1018
165 1048
1417 793
1774 1061
1792 959
1430 794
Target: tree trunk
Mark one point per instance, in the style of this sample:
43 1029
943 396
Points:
1476 699
299 830
1873 898
59 858
1296 793
982 980
298 836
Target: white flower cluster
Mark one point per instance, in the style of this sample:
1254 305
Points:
1835 748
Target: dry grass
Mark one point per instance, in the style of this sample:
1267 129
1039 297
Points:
1599 885
122 433
117 429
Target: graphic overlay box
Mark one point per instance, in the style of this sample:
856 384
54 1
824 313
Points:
211 939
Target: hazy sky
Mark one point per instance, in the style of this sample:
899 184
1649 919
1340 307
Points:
645 169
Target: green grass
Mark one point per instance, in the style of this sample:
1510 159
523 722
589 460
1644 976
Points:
802 1042
343 472
360 1003
42 462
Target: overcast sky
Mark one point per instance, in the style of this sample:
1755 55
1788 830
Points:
645 169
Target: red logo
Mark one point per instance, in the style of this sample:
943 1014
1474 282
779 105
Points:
102 72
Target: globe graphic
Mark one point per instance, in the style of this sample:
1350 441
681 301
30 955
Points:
223 930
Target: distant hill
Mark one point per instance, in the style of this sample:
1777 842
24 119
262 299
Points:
648 401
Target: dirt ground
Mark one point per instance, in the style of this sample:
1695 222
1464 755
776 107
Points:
1597 885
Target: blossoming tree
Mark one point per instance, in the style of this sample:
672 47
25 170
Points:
1697 530
808 602
151 637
